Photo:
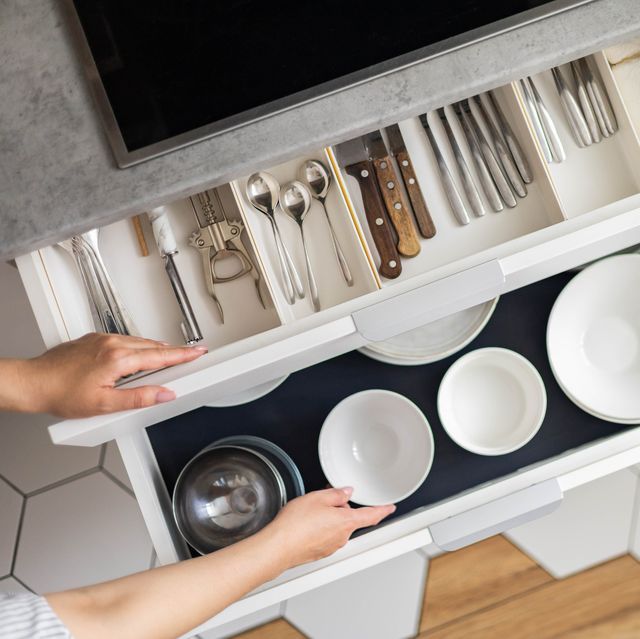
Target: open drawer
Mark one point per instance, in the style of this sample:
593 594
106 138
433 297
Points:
465 497
459 267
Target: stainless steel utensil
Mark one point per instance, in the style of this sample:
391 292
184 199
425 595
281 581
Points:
499 178
451 191
572 112
317 177
295 200
543 123
504 156
263 192
599 100
585 103
494 111
486 180
168 247
468 184
123 319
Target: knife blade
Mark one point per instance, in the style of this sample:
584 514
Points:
394 199
354 160
420 210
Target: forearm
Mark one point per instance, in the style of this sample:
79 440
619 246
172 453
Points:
170 601
15 389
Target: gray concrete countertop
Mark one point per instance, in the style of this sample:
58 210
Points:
57 173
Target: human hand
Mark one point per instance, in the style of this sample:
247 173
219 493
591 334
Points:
319 523
77 378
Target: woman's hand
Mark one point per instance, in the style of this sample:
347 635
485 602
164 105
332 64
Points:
317 524
77 379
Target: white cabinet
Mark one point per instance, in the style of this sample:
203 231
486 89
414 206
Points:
578 211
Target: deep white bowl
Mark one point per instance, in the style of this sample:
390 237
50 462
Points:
593 339
378 442
492 401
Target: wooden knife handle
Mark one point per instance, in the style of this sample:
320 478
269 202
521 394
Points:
379 225
397 207
420 210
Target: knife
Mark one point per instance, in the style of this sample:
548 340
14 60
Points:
394 199
353 158
420 211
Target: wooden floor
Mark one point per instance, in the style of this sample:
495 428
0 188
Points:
492 590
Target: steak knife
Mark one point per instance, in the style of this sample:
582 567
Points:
353 158
420 210
394 199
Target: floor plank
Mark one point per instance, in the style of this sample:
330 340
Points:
468 580
601 600
278 629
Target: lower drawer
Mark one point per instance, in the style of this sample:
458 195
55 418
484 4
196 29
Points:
464 498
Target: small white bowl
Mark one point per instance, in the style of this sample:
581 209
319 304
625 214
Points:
492 401
378 442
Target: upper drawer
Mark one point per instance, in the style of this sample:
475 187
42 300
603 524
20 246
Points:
550 230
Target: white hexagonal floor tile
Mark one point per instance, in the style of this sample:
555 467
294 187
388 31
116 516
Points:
382 602
82 532
243 624
31 461
10 507
9 584
592 525
114 464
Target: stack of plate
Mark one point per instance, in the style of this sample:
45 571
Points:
593 339
434 341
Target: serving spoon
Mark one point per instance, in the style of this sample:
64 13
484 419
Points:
295 200
263 192
318 179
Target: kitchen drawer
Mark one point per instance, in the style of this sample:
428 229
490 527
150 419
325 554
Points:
548 232
465 497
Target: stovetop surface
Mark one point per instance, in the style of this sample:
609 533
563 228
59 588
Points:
174 71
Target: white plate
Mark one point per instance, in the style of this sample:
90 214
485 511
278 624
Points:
249 395
378 442
593 339
434 341
492 401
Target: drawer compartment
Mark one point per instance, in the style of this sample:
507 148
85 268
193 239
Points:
601 173
292 416
570 449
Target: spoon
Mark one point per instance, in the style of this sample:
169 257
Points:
262 191
318 179
295 200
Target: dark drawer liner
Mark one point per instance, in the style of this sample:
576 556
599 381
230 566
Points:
292 415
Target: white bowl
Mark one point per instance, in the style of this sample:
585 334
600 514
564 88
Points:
378 442
593 339
492 401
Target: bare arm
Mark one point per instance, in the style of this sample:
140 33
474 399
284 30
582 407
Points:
167 602
77 379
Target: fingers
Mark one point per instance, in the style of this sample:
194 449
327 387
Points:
371 515
126 399
335 496
151 358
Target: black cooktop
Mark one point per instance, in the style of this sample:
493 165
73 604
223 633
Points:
175 71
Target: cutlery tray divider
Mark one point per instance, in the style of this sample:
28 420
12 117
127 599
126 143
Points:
599 174
332 287
452 242
292 415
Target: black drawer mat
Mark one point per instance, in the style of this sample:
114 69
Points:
292 415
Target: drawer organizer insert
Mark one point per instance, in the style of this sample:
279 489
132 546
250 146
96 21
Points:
292 415
589 178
